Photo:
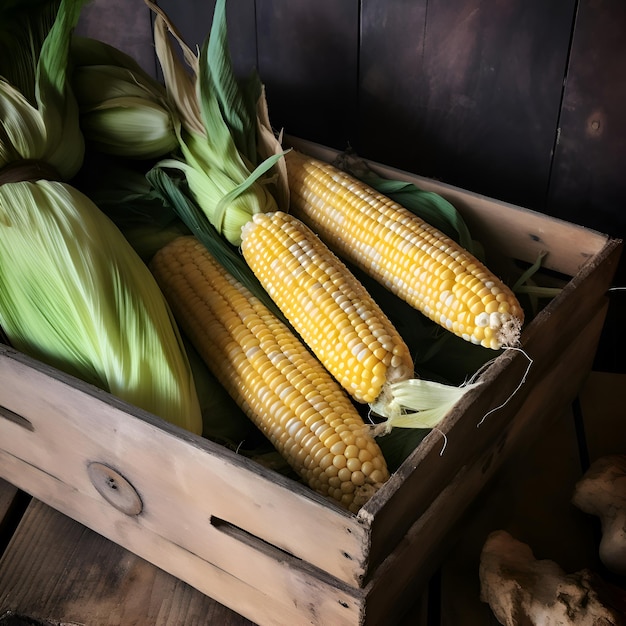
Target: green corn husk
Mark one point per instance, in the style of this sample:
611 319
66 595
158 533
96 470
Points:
123 110
222 167
125 196
38 112
75 295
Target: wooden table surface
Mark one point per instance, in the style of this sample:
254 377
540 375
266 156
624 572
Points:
54 571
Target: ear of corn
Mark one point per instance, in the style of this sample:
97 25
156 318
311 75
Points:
409 257
326 304
75 295
123 110
39 116
372 366
272 376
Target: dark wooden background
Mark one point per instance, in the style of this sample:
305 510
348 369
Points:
522 101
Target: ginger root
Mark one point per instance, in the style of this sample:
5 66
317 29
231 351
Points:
602 492
523 591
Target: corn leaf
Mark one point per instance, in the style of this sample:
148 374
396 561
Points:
237 106
180 84
126 197
56 103
24 24
220 179
45 92
22 129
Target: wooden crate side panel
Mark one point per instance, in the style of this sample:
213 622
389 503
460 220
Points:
425 474
308 59
465 92
183 481
591 258
430 538
294 602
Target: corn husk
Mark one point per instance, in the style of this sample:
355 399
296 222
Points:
218 159
123 110
38 112
75 295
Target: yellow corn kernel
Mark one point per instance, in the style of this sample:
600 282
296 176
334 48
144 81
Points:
271 375
406 255
330 309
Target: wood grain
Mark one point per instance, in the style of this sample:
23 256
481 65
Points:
308 59
465 92
103 20
587 182
193 19
58 570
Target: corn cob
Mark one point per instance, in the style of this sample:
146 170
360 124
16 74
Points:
273 377
406 255
331 310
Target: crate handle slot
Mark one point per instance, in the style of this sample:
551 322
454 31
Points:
245 536
16 418
114 488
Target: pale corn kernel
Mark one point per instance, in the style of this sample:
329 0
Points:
359 479
377 476
353 464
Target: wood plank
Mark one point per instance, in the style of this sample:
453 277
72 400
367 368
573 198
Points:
58 570
210 483
308 55
450 508
8 493
102 20
602 402
12 504
531 500
465 92
587 183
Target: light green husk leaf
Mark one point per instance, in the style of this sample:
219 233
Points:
169 190
123 110
22 130
131 127
75 295
24 24
237 111
56 138
417 403
226 185
180 84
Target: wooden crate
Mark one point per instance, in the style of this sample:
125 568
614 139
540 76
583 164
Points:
263 544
